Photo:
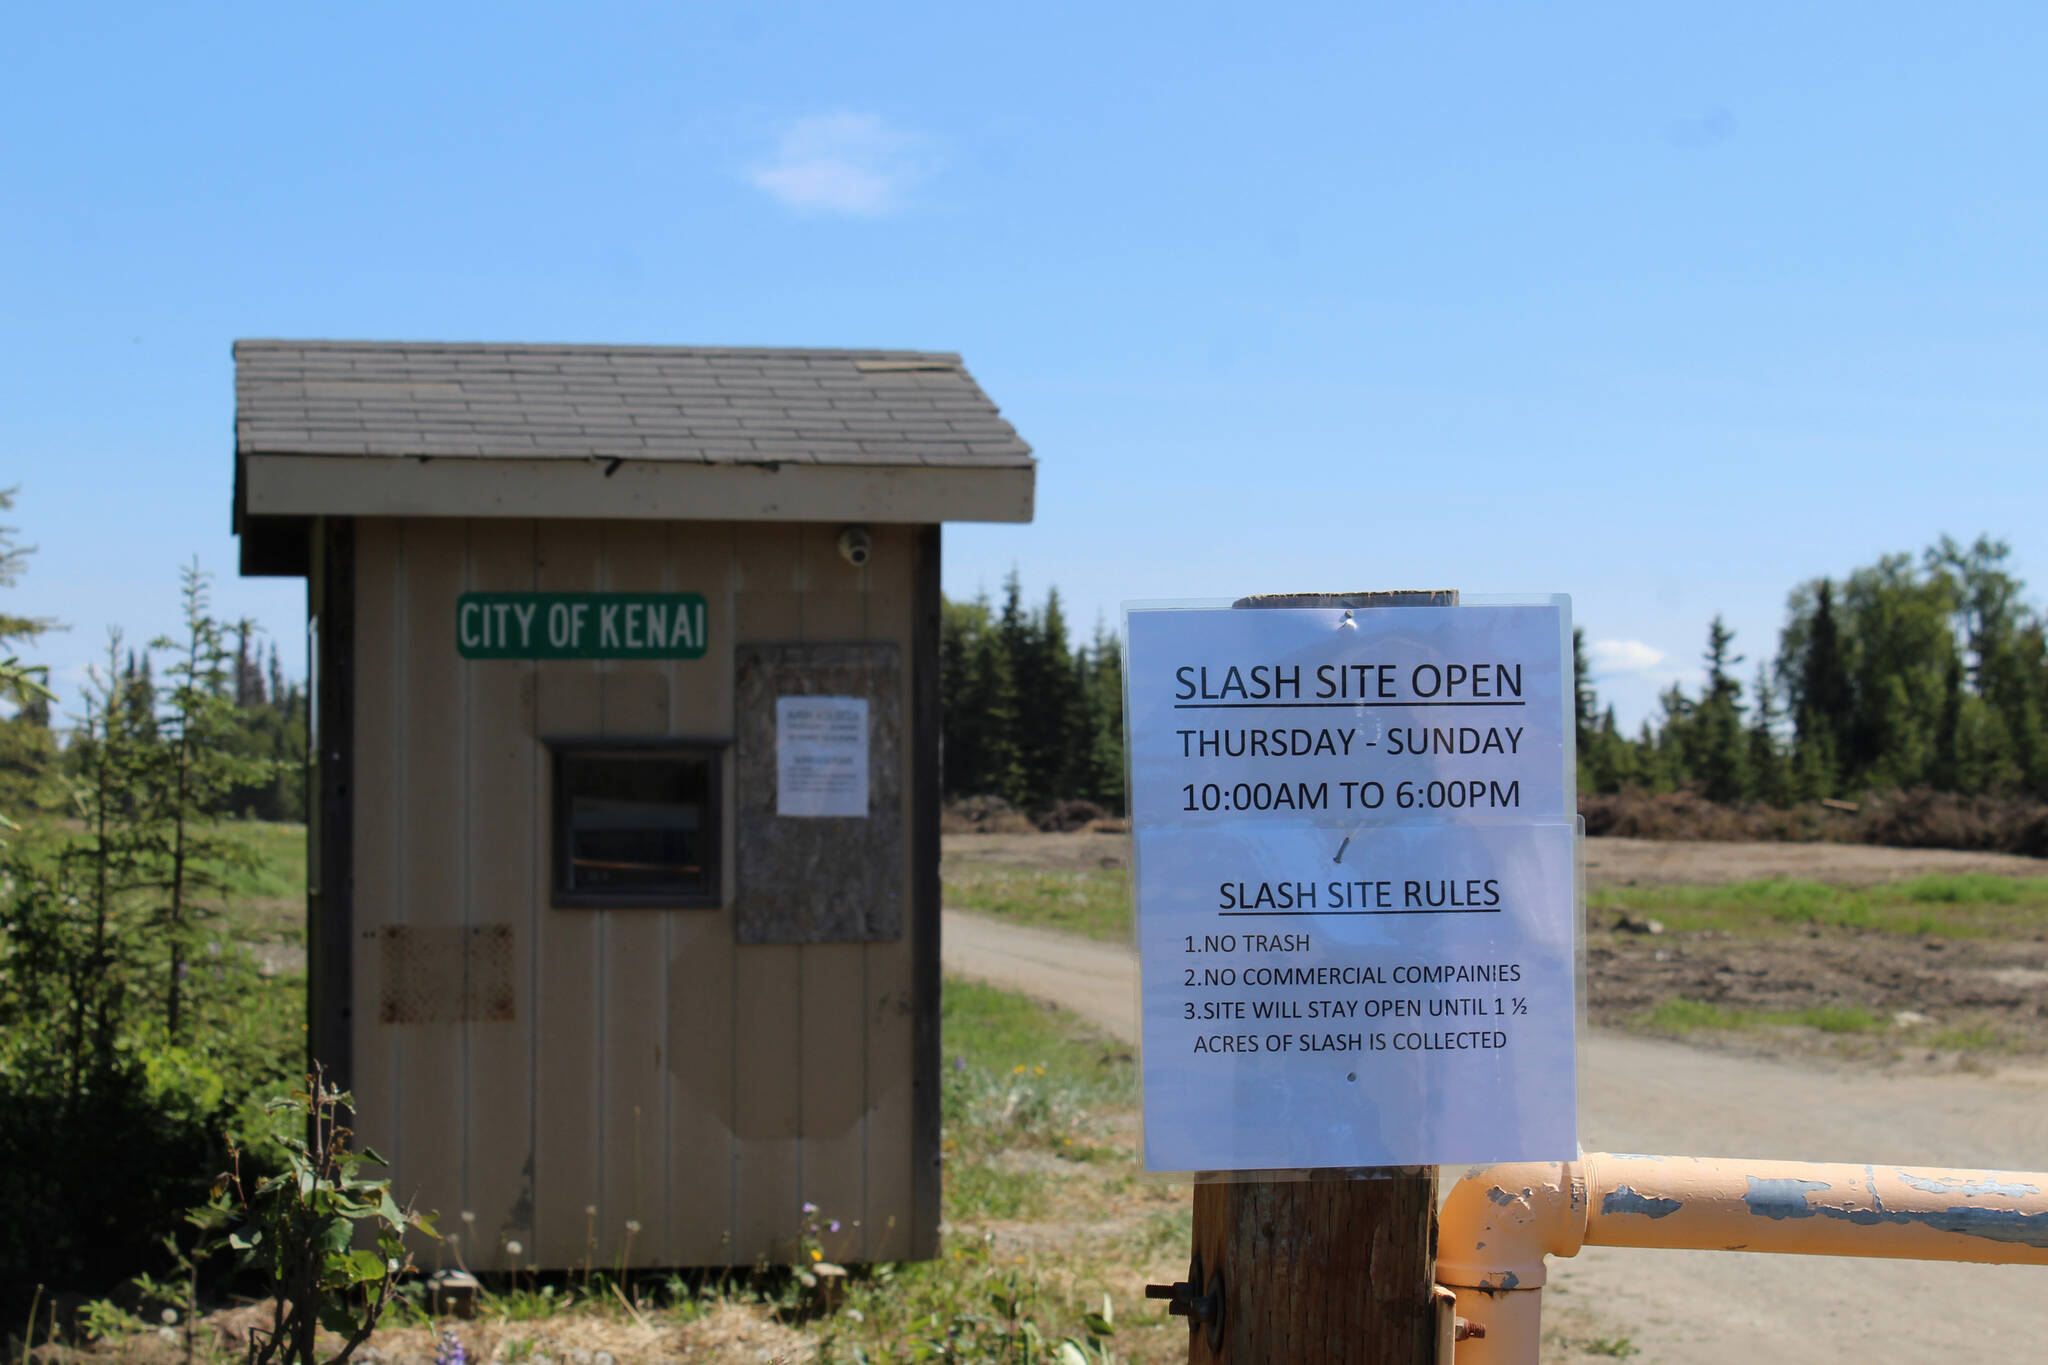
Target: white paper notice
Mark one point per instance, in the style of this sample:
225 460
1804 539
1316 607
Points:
1355 874
821 756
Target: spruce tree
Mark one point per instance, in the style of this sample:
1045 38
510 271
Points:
19 682
1585 712
1104 687
277 683
1719 757
1821 699
1946 773
1767 776
962 697
1045 683
201 766
28 750
1000 711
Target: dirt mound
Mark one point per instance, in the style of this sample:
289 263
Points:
1917 818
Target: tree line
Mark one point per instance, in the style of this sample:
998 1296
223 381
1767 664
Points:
1915 671
1027 716
1925 671
262 725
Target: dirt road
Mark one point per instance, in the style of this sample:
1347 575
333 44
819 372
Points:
1642 1095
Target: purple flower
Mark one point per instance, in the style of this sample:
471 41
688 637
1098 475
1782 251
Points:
832 1226
450 1351
959 1063
810 1208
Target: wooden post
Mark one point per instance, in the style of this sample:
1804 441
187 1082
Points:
1333 1269
1336 1269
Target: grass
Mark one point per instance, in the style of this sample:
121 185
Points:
1030 1100
1097 903
1033 1104
1020 1080
264 898
277 859
1966 905
1976 1037
1682 1015
1091 901
1169 1232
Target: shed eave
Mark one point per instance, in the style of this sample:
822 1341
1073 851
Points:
300 485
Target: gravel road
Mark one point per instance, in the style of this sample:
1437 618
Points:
1643 1095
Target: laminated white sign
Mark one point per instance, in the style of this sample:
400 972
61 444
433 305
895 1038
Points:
1355 877
821 756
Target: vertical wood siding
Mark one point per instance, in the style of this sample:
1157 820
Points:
653 1072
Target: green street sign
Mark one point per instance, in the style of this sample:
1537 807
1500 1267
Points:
580 625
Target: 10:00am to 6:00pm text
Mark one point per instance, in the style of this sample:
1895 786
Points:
1436 794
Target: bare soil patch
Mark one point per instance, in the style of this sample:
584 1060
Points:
1056 852
1944 1003
1671 862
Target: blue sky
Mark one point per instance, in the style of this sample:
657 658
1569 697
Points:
1668 307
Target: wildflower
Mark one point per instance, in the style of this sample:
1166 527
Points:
817 1255
170 1317
832 1226
450 1351
632 1225
468 1217
959 1063
810 1208
1017 1070
1038 1071
513 1248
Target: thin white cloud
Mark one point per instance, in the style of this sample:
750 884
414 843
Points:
1625 656
852 164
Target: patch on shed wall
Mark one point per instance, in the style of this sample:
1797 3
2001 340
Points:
445 973
817 879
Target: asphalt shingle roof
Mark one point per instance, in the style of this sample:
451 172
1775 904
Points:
706 405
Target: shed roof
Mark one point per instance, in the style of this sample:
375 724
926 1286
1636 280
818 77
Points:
368 428
700 404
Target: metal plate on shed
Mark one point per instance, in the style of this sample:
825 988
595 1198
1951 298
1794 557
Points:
806 878
444 973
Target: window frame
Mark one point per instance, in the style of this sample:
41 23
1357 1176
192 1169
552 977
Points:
566 749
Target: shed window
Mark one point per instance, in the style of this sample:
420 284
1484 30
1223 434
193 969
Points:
637 826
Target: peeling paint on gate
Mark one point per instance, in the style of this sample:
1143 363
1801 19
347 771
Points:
1622 1199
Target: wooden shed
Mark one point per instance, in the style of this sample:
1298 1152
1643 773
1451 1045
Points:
623 921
